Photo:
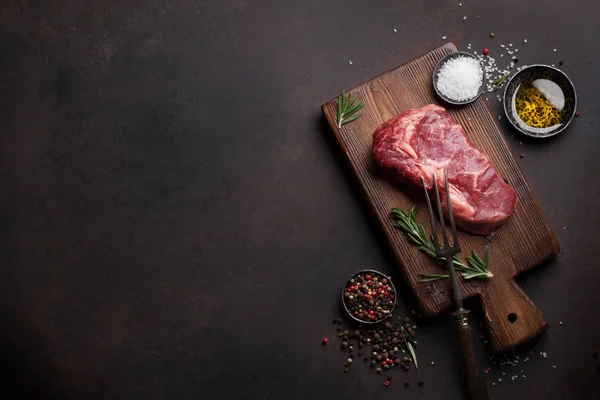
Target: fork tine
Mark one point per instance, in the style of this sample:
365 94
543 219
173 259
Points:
455 241
440 213
431 219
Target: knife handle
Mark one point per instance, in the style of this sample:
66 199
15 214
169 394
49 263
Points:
473 373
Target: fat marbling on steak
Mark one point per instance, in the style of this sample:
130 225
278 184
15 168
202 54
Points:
427 141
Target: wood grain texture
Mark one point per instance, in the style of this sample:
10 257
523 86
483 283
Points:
523 242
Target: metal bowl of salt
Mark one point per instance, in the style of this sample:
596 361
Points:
540 101
458 78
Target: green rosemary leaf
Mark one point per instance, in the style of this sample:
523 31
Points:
412 354
353 118
432 277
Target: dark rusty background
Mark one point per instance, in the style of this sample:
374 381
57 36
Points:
176 220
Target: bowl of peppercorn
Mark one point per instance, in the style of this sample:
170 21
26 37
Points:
369 296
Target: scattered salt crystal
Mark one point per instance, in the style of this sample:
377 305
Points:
516 50
432 363
524 40
510 45
554 366
499 117
443 37
460 4
499 379
350 62
465 18
503 46
395 30
494 383
554 50
501 55
560 322
475 52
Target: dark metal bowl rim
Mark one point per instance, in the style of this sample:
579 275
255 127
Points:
377 273
523 131
437 69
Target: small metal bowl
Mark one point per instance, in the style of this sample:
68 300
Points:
533 72
436 71
379 275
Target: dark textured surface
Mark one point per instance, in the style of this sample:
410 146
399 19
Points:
176 221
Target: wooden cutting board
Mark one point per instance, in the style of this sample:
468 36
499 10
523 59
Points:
523 242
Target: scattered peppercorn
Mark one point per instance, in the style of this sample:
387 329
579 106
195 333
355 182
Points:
344 344
406 383
577 114
325 340
346 370
421 383
485 52
560 62
386 383
522 155
595 353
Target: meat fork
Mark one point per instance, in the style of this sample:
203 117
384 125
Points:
475 382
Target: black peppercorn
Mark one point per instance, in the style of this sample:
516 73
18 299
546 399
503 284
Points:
344 344
595 353
406 383
421 383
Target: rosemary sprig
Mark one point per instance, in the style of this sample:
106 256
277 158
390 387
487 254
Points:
347 109
498 82
415 233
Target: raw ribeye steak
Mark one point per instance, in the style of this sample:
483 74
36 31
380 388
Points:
427 141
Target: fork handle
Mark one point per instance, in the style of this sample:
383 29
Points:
473 373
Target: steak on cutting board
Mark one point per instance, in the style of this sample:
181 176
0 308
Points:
422 142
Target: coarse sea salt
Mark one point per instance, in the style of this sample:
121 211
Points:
460 78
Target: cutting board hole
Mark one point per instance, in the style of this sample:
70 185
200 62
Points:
512 317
